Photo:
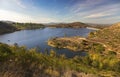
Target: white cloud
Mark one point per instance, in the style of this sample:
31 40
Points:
98 15
18 17
19 3
93 6
106 20
12 3
85 5
95 11
14 16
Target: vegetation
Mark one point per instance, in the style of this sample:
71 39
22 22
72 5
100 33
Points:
99 26
109 36
19 62
22 26
78 25
76 44
6 28
69 25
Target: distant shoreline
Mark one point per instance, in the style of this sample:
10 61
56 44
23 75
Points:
92 28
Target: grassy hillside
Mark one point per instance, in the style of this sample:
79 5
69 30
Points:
19 62
78 25
70 25
99 26
22 26
6 28
109 36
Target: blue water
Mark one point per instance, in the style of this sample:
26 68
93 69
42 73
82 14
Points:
38 38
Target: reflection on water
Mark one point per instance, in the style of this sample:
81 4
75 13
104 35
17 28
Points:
38 38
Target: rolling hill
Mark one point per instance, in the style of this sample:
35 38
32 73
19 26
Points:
110 36
70 25
6 27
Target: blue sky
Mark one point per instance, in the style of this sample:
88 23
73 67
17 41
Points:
45 11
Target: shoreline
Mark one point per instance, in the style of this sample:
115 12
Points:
47 27
92 28
75 43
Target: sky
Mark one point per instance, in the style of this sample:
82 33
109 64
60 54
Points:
47 11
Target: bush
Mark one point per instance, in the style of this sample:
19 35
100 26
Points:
112 53
4 49
97 48
5 52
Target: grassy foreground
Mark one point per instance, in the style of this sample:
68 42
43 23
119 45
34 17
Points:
19 62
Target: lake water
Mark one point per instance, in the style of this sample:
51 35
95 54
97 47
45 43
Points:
38 38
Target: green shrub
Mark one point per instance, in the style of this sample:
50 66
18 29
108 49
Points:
4 49
97 48
112 53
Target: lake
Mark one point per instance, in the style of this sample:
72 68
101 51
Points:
38 38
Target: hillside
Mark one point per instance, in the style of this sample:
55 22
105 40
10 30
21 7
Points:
98 26
109 36
17 61
23 26
6 28
70 25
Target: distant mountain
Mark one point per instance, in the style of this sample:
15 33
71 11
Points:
95 24
110 36
51 23
77 25
6 27
69 25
